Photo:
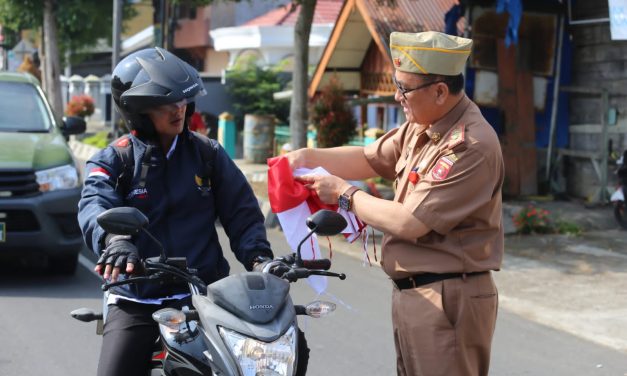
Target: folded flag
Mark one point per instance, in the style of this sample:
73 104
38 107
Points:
293 204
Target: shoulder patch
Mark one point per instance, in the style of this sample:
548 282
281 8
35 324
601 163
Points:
123 142
457 136
442 168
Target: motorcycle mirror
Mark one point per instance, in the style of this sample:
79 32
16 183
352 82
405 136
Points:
122 220
326 222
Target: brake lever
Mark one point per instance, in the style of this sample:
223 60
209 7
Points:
298 273
107 286
341 276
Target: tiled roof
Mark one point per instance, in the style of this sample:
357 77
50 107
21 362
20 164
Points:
326 12
409 16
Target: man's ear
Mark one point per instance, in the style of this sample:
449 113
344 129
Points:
441 93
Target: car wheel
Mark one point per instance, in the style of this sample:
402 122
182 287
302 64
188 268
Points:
65 265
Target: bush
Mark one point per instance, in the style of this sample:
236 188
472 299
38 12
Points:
251 89
533 220
99 140
80 105
332 116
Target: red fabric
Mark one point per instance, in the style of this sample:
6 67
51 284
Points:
196 124
284 192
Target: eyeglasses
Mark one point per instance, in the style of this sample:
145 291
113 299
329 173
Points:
405 91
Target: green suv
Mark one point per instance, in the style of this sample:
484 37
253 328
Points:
39 180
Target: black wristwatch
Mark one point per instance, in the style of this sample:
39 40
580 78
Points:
345 200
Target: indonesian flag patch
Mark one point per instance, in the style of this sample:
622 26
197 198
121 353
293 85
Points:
442 168
99 171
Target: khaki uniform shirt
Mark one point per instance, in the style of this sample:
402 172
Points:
449 176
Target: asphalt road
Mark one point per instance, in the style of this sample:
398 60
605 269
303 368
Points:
39 337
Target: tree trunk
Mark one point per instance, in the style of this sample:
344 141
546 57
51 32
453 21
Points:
298 106
52 82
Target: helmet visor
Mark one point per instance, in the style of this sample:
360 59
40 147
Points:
168 108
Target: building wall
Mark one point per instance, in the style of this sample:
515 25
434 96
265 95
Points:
598 62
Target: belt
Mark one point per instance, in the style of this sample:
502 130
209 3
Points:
418 280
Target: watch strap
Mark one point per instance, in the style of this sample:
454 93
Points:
348 196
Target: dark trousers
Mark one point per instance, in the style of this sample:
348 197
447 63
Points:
129 338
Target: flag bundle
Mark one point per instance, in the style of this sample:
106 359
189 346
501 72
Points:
293 204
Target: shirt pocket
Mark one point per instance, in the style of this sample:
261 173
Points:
399 169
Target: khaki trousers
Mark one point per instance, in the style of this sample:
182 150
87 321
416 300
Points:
446 327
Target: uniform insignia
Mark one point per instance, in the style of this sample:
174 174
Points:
457 136
422 166
435 137
452 157
413 176
99 171
203 184
397 62
442 168
123 142
139 193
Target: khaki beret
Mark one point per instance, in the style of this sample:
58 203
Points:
429 52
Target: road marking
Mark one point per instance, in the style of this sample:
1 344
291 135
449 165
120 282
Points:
88 264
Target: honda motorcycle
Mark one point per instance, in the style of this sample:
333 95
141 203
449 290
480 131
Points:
618 197
244 324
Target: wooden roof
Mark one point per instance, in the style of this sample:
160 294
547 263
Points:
362 22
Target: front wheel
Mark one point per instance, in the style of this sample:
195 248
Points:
303 354
619 214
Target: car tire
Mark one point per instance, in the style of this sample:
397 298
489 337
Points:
64 265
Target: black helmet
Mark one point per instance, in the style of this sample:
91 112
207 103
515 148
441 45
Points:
149 78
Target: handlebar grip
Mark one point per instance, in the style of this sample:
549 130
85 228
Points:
320 264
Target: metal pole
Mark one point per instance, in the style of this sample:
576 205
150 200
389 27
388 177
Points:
115 57
556 93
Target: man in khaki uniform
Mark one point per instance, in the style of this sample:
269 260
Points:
443 230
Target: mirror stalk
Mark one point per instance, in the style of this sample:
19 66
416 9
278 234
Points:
162 256
299 260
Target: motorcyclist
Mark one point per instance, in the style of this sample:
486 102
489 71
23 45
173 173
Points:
154 91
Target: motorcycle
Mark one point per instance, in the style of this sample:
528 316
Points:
244 324
618 197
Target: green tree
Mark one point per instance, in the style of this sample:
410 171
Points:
251 88
65 24
298 104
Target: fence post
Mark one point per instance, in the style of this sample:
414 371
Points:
227 133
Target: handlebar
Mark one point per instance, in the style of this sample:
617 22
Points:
176 269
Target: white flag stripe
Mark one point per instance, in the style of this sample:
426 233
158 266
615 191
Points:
293 225
98 173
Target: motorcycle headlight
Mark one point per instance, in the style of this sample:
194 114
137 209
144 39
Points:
62 177
260 358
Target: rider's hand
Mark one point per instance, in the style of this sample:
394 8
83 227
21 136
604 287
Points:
120 253
260 262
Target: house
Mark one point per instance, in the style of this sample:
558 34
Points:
270 37
513 83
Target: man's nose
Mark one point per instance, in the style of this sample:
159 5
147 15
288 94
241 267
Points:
176 107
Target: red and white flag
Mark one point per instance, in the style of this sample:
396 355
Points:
293 204
99 171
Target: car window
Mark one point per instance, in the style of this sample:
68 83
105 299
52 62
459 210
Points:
22 108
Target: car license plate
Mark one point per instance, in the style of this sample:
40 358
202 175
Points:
3 232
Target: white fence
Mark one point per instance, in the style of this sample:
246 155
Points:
99 88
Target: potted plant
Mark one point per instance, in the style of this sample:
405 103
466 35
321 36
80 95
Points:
332 116
80 105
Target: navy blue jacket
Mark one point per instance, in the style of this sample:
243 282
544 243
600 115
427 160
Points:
180 216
